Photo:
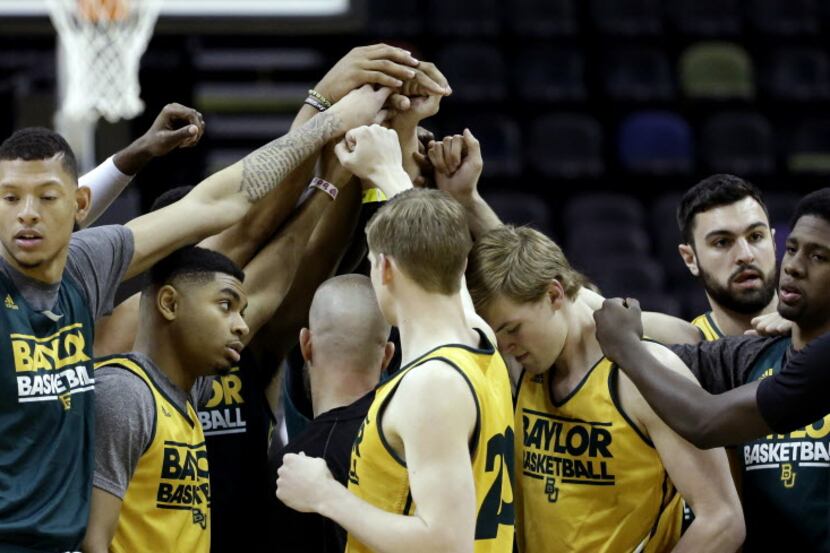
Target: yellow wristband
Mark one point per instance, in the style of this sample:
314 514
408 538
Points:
373 195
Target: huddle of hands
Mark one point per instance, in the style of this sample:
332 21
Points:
381 94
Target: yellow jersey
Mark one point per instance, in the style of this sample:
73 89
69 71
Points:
588 479
708 327
378 475
166 508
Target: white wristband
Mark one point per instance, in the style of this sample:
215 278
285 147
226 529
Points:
106 183
325 186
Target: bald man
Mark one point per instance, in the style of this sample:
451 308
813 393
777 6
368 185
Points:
345 348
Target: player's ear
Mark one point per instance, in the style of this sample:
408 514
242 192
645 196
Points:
385 268
388 354
305 344
687 252
167 302
83 203
556 294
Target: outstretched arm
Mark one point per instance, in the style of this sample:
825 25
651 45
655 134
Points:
176 126
224 198
704 419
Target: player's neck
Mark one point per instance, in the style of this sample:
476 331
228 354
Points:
426 321
166 356
581 349
804 335
333 386
732 323
49 271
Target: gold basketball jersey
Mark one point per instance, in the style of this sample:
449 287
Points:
708 327
167 505
379 476
588 479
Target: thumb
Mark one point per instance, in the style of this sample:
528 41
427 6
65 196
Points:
382 94
180 135
472 144
342 152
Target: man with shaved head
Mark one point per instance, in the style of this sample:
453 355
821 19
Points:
345 348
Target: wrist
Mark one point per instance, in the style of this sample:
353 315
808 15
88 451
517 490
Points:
332 496
390 179
134 157
631 352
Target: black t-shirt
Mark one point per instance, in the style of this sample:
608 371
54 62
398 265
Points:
329 436
798 395
236 420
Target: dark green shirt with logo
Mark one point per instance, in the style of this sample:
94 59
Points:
786 477
46 392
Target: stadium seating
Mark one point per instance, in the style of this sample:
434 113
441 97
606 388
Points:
716 70
656 142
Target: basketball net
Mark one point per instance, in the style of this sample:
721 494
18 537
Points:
100 45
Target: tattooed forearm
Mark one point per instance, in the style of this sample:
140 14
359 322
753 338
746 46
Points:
265 168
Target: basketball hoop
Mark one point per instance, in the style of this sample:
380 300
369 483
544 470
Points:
100 45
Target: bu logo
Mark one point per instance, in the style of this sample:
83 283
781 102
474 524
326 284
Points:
787 475
9 302
551 490
199 518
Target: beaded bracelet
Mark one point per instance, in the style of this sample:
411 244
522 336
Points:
313 102
319 97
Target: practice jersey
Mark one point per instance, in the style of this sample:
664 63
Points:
47 425
708 327
379 476
786 479
588 479
167 505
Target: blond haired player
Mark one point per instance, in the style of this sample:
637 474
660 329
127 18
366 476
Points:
431 468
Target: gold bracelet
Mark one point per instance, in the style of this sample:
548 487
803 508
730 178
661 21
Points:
320 98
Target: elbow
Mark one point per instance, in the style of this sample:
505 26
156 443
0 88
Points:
725 527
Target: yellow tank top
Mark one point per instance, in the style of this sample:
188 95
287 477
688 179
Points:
379 476
167 505
588 480
708 328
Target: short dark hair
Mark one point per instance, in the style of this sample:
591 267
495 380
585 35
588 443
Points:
170 197
815 203
711 192
36 143
194 263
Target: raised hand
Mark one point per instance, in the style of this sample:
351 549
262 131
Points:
619 326
458 164
176 126
362 106
378 64
373 154
423 99
771 324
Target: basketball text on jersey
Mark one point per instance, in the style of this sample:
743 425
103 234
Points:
789 453
222 414
184 480
567 450
53 367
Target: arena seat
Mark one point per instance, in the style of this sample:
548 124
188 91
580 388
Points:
521 208
566 145
784 17
799 74
609 207
656 142
738 143
638 74
628 17
810 150
456 18
543 18
550 74
716 70
476 70
712 18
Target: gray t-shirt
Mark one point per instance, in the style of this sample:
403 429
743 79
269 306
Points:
724 364
97 261
125 413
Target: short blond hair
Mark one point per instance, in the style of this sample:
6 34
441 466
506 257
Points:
426 233
519 263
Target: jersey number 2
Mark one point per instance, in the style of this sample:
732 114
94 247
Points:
494 510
